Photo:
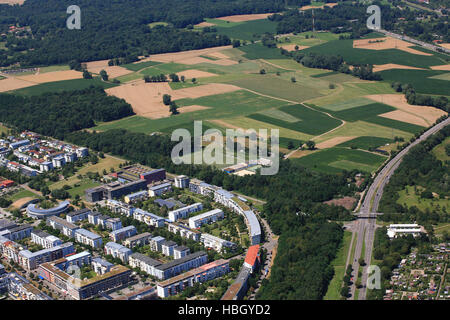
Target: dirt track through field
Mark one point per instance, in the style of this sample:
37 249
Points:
389 66
245 17
52 76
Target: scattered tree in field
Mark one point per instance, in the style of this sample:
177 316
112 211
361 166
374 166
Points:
174 77
173 108
87 74
331 86
183 78
290 145
236 43
104 75
293 79
167 99
194 80
311 145
262 71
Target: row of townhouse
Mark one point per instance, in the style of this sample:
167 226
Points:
73 231
164 271
45 239
17 232
31 260
201 274
184 212
148 218
205 218
122 233
118 251
96 218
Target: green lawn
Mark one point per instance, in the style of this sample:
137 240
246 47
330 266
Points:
333 292
439 150
278 87
408 197
21 194
54 68
366 142
334 160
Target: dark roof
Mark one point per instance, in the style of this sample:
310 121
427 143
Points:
77 212
146 259
20 228
181 248
169 243
40 233
176 262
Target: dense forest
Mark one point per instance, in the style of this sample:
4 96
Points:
419 168
113 29
55 114
351 17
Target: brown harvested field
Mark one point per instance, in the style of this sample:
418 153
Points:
112 71
430 114
318 7
444 67
387 43
19 203
192 108
146 98
445 45
346 202
11 2
389 66
204 24
218 55
181 56
194 60
401 115
245 17
333 142
192 73
14 84
223 62
291 47
52 76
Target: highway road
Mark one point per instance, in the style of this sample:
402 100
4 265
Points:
366 227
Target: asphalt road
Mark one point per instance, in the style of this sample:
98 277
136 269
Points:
366 227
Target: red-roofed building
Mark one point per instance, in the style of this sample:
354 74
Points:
6 183
252 259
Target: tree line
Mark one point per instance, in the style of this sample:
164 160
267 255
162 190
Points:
56 114
114 29
421 168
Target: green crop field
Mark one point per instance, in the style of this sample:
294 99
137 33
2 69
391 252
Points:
366 142
421 80
140 66
363 112
394 124
277 87
258 51
249 30
221 106
352 55
54 68
310 121
334 160
349 104
66 85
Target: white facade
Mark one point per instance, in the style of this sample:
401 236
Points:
182 213
207 217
